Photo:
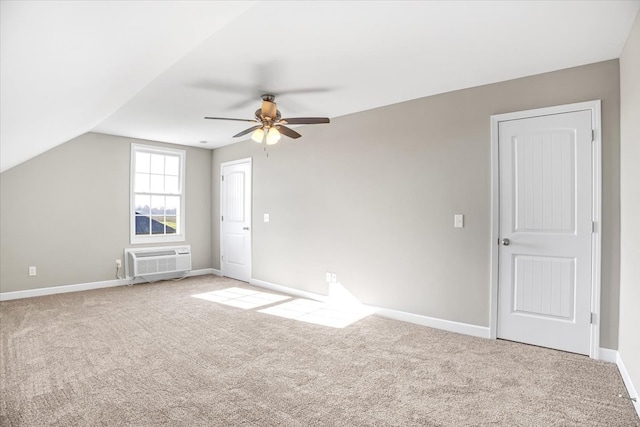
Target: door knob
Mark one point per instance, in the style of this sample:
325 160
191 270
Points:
245 228
506 241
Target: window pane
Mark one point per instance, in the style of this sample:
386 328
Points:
142 162
157 205
157 225
172 210
171 205
171 184
171 225
172 165
142 205
142 183
142 224
157 163
157 184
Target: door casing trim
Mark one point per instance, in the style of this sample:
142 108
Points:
596 210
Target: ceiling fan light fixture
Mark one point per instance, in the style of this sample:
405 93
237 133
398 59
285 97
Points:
273 136
258 135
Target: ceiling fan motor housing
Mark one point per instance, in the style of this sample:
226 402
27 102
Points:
269 109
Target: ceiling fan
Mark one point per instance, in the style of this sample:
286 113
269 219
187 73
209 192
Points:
270 124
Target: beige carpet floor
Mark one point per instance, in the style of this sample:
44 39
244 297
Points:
151 355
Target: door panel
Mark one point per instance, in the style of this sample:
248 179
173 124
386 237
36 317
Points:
545 182
234 249
544 286
544 289
235 220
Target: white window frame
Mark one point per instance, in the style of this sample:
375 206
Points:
180 235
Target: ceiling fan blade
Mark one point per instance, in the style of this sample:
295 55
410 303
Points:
246 131
288 132
305 120
236 120
303 90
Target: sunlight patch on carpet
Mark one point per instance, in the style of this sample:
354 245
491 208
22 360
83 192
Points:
319 313
241 298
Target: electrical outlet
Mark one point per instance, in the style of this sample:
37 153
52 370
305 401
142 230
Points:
327 277
118 263
334 278
32 271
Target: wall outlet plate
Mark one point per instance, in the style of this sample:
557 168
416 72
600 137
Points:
32 271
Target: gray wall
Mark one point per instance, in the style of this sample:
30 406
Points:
630 205
67 212
372 197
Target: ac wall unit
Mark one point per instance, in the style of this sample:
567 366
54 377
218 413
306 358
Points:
153 261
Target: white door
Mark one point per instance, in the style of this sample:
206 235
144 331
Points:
235 219
545 254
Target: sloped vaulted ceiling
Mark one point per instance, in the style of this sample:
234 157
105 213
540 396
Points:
68 66
154 69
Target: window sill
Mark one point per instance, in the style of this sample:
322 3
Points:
138 240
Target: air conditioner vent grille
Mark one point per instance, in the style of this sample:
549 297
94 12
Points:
156 253
156 266
153 261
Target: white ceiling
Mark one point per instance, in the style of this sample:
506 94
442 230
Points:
154 69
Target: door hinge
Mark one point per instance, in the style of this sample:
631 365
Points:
222 176
593 226
222 218
592 320
593 135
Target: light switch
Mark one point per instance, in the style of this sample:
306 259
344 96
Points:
266 217
458 220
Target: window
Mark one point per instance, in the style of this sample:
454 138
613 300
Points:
157 194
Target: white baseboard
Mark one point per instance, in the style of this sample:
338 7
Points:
204 272
432 322
613 356
447 325
51 290
631 390
607 355
288 290
29 293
